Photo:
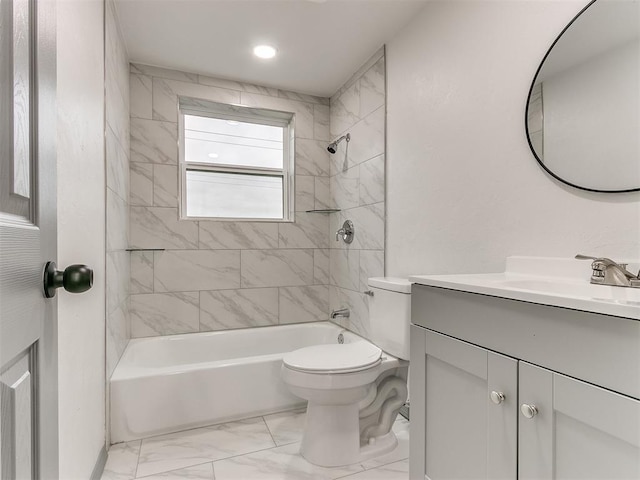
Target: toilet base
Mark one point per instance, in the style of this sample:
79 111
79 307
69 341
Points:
332 437
381 445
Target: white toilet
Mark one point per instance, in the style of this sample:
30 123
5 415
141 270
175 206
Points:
355 389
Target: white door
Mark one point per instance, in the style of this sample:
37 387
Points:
575 430
28 328
471 411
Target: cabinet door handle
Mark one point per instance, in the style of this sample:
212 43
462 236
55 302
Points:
529 411
496 397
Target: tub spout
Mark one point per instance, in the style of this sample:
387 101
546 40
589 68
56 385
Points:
343 312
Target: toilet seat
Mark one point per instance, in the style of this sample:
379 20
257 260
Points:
334 358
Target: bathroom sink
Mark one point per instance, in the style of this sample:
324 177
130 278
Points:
547 281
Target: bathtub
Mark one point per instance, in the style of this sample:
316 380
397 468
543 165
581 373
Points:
172 383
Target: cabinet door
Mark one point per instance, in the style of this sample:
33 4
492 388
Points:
468 435
577 431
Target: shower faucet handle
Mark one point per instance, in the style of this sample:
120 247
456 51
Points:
346 232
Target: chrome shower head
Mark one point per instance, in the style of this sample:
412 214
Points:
333 146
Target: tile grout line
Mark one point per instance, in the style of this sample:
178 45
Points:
275 445
352 474
385 464
243 454
208 426
378 467
269 430
177 469
214 461
135 475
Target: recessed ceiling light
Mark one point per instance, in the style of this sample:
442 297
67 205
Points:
264 51
232 122
213 155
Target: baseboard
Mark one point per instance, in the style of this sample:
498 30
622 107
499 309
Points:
98 469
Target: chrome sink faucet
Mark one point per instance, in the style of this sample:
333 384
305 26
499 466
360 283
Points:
607 272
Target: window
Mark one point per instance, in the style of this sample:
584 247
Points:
236 162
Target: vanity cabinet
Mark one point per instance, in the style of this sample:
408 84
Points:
467 433
497 394
580 431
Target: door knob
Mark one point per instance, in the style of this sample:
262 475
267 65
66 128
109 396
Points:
497 397
529 411
74 279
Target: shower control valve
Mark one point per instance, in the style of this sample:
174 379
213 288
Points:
346 232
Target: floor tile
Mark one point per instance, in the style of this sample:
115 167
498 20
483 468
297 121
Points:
286 427
245 450
281 463
201 445
392 471
199 472
122 461
401 452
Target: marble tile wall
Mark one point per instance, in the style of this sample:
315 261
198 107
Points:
117 164
357 188
216 275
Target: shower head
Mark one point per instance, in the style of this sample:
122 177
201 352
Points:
333 146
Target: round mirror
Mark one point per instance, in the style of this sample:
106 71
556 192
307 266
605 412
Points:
583 112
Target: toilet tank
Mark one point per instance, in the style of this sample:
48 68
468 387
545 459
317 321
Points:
390 314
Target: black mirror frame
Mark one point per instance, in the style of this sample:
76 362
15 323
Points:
526 116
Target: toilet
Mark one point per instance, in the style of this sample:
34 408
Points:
355 389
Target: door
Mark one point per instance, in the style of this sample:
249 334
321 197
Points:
28 328
571 429
470 411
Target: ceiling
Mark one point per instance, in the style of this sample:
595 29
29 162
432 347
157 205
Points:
320 43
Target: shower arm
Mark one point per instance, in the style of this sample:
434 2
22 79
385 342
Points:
334 145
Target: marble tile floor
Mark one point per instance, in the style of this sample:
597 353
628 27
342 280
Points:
261 448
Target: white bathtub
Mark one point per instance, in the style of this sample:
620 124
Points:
166 384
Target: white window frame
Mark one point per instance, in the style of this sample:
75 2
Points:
205 108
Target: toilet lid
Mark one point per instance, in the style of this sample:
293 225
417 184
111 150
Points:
334 357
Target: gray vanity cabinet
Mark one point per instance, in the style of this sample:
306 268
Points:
462 422
480 414
579 432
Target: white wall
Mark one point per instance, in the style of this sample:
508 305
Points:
81 234
463 189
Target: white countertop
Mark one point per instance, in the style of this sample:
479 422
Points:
558 282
